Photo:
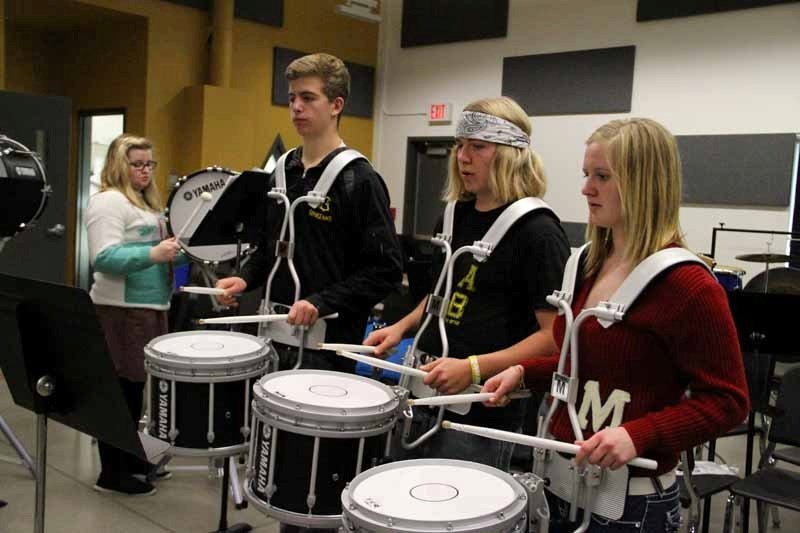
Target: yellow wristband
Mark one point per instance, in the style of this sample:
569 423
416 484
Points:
475 369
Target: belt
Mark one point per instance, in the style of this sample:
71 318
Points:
644 486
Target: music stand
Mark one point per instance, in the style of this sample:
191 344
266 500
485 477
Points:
54 355
765 323
239 214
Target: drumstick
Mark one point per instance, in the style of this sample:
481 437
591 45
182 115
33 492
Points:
535 442
205 197
203 290
452 399
380 363
249 319
357 348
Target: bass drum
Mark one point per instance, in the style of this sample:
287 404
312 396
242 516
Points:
186 210
23 187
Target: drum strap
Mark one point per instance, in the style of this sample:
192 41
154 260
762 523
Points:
500 226
634 284
329 175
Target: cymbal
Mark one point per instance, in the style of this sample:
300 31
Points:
766 258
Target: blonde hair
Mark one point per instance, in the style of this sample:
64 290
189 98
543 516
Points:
116 172
330 69
643 158
515 172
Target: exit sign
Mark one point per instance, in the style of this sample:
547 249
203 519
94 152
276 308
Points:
439 113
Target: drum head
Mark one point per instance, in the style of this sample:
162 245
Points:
326 389
204 350
181 205
423 493
22 187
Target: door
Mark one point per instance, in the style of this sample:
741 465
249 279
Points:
42 123
426 175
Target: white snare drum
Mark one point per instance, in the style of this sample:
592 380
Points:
313 431
199 386
434 495
181 214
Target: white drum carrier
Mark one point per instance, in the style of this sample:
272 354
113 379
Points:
437 305
199 386
437 495
314 430
281 331
591 488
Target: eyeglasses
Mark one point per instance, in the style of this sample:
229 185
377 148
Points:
139 165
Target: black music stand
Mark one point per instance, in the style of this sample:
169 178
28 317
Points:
239 214
55 359
765 323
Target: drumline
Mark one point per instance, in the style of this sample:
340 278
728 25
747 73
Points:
340 425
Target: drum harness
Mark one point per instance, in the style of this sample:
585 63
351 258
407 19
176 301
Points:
436 305
592 488
284 248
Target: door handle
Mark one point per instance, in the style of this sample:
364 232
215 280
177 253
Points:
56 231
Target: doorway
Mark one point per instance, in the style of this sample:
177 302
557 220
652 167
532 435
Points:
96 130
426 175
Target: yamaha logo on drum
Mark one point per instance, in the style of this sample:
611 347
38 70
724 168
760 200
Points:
208 187
163 410
263 458
187 196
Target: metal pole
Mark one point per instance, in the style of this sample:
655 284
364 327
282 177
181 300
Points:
41 472
24 457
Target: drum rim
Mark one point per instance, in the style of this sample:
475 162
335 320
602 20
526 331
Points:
45 189
174 191
322 521
177 363
299 412
513 513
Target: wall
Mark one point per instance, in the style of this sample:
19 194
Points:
2 44
734 72
237 125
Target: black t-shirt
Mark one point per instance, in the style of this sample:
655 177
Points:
493 302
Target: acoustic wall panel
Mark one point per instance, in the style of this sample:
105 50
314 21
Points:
567 83
269 12
660 9
576 233
362 83
450 21
753 169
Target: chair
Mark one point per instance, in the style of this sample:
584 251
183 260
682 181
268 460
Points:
770 484
759 369
693 488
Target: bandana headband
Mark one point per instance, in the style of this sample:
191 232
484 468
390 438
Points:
475 125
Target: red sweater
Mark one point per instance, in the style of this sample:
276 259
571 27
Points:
678 335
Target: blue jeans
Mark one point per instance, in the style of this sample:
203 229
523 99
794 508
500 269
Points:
659 512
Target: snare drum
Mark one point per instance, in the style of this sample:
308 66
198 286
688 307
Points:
199 385
434 495
23 187
183 200
313 431
729 277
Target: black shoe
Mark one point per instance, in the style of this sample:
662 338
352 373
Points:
127 485
154 475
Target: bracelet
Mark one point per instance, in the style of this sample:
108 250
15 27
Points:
521 382
475 369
